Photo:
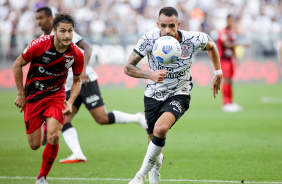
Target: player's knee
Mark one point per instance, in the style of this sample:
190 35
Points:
102 120
34 146
53 138
161 130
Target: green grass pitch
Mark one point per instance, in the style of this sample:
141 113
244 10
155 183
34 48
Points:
205 146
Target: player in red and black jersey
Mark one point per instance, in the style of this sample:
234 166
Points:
226 44
43 97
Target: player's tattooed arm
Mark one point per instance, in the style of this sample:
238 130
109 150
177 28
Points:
132 70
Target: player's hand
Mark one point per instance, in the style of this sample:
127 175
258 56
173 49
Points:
84 77
216 82
158 76
68 110
20 101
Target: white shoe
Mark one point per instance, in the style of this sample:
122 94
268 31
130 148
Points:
138 179
41 180
154 174
240 108
73 159
141 120
231 107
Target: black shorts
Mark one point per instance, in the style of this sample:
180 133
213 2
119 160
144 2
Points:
89 95
177 105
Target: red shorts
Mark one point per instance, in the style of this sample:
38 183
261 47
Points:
36 113
227 67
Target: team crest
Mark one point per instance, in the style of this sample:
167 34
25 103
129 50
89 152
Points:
69 63
185 51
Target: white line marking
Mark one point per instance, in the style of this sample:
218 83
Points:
267 99
124 179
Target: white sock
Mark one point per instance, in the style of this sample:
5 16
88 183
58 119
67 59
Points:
71 139
152 155
122 117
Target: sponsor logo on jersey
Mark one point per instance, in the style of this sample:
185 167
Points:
38 85
69 63
66 56
43 71
179 73
169 69
51 53
38 40
46 59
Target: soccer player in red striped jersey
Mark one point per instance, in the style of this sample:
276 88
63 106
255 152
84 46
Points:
226 44
89 95
43 96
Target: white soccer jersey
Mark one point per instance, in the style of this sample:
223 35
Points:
178 80
89 70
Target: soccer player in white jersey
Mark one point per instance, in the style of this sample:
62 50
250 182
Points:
167 95
89 94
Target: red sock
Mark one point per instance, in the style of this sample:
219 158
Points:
227 93
49 155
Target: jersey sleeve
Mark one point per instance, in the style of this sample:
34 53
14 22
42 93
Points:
143 46
78 64
28 53
200 41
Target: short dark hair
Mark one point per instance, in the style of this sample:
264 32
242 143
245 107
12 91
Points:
63 17
168 11
229 16
46 10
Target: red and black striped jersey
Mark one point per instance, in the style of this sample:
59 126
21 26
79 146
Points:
49 68
223 36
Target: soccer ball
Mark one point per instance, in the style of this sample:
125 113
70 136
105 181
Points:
166 49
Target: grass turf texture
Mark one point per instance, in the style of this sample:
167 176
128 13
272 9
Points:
205 144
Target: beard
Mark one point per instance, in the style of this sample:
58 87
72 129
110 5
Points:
63 41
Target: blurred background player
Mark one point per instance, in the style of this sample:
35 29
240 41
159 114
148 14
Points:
167 95
89 95
226 44
43 97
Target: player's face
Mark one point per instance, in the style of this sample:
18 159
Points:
64 33
43 21
230 22
168 25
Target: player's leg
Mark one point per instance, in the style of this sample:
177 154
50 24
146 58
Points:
102 117
226 66
34 139
70 135
166 114
50 152
94 102
227 88
34 131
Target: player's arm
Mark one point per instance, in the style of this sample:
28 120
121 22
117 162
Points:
132 70
18 74
87 54
75 89
214 56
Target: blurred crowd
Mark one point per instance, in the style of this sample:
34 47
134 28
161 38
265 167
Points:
124 21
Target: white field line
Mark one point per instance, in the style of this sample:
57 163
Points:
267 99
124 179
